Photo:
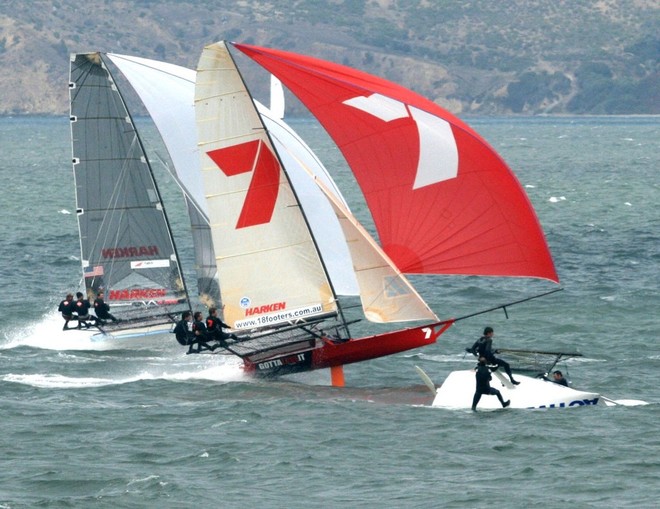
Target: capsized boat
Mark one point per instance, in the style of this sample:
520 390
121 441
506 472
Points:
442 201
458 389
126 244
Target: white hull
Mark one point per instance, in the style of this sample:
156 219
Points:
95 335
132 333
458 389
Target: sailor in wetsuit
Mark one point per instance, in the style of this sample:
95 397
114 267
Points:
214 328
483 377
483 347
183 329
81 308
66 308
200 337
102 310
558 378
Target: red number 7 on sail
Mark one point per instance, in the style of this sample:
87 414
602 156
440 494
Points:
261 196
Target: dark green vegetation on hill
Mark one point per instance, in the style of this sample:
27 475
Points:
512 56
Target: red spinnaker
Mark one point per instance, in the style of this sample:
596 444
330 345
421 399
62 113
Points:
443 201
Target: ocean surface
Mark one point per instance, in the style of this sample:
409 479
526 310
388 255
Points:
143 425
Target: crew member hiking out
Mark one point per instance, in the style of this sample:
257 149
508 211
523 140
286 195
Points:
200 337
81 308
183 329
214 328
102 310
66 308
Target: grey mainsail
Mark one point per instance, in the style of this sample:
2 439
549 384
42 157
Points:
126 245
167 91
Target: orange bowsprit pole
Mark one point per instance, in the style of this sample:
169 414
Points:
337 376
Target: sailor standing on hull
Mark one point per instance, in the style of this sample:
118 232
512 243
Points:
483 378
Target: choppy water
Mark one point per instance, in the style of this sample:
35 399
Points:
125 426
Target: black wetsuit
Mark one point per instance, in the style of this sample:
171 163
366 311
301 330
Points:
214 330
66 308
200 337
183 332
81 307
483 386
483 347
102 310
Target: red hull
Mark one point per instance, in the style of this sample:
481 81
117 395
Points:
330 353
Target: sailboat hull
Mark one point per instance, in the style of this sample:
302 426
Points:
120 333
458 389
136 332
327 352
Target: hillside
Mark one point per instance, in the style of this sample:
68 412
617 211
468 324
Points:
514 56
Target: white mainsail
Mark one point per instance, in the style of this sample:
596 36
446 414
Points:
268 265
